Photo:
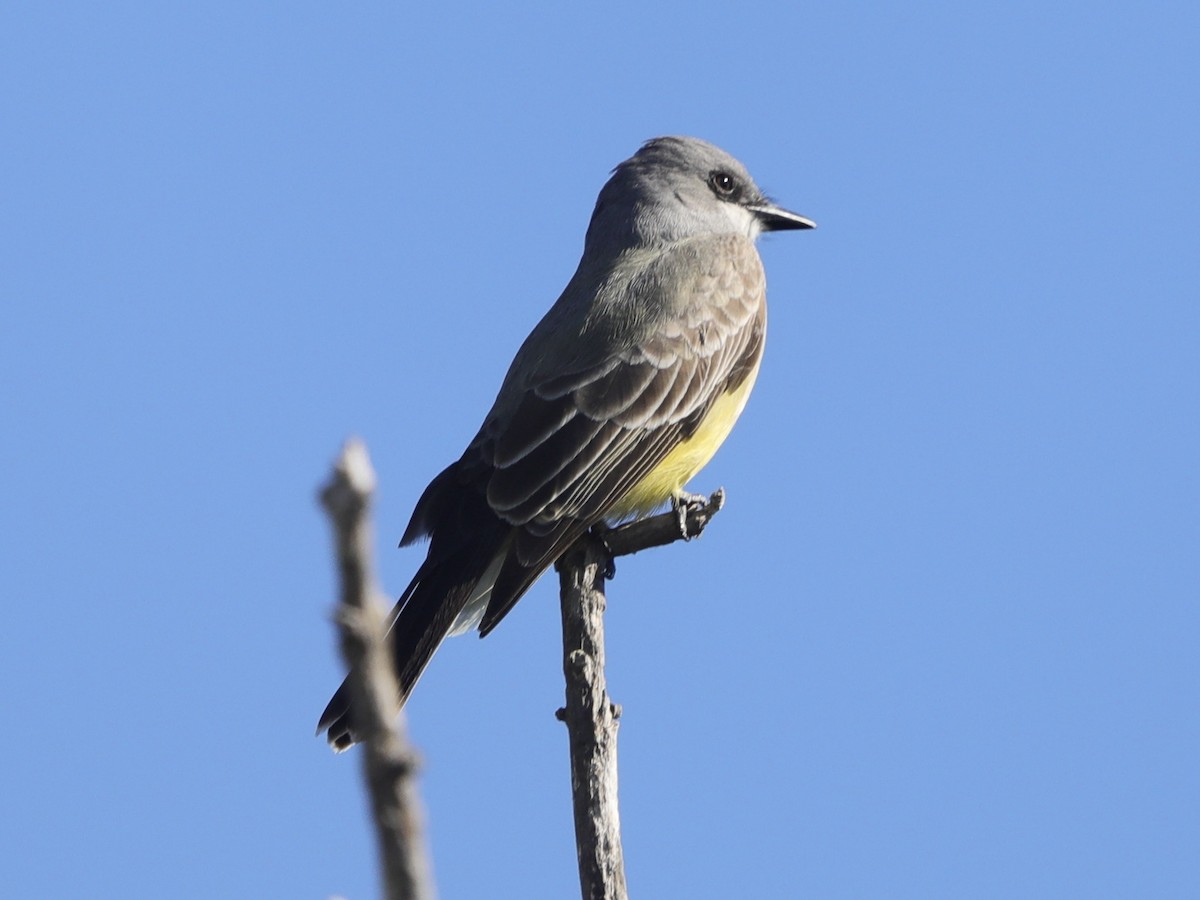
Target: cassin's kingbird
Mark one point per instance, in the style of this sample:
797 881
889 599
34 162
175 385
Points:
621 393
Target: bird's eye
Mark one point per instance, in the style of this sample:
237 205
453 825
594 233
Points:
723 183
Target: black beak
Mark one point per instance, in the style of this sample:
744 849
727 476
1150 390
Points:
776 218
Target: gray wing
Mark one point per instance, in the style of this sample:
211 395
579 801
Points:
571 445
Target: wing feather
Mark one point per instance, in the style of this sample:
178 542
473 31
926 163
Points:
576 443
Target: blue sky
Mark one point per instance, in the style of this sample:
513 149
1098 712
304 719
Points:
941 643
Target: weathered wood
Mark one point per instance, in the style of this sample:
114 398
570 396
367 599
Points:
389 760
590 715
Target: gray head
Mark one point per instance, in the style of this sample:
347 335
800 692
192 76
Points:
680 187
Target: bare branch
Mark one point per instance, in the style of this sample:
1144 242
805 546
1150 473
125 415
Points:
591 719
590 715
389 761
679 524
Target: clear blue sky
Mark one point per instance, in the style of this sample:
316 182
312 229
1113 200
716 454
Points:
941 644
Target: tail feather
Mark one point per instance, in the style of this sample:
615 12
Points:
424 616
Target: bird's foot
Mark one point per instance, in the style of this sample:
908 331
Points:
600 533
684 505
693 511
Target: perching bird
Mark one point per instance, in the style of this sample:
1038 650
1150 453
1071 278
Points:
622 392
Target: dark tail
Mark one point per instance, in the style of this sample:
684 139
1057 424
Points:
423 617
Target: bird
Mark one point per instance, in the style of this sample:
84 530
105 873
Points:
617 398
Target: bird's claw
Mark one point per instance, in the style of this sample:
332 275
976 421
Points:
683 505
600 532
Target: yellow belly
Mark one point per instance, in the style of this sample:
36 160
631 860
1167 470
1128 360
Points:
667 479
